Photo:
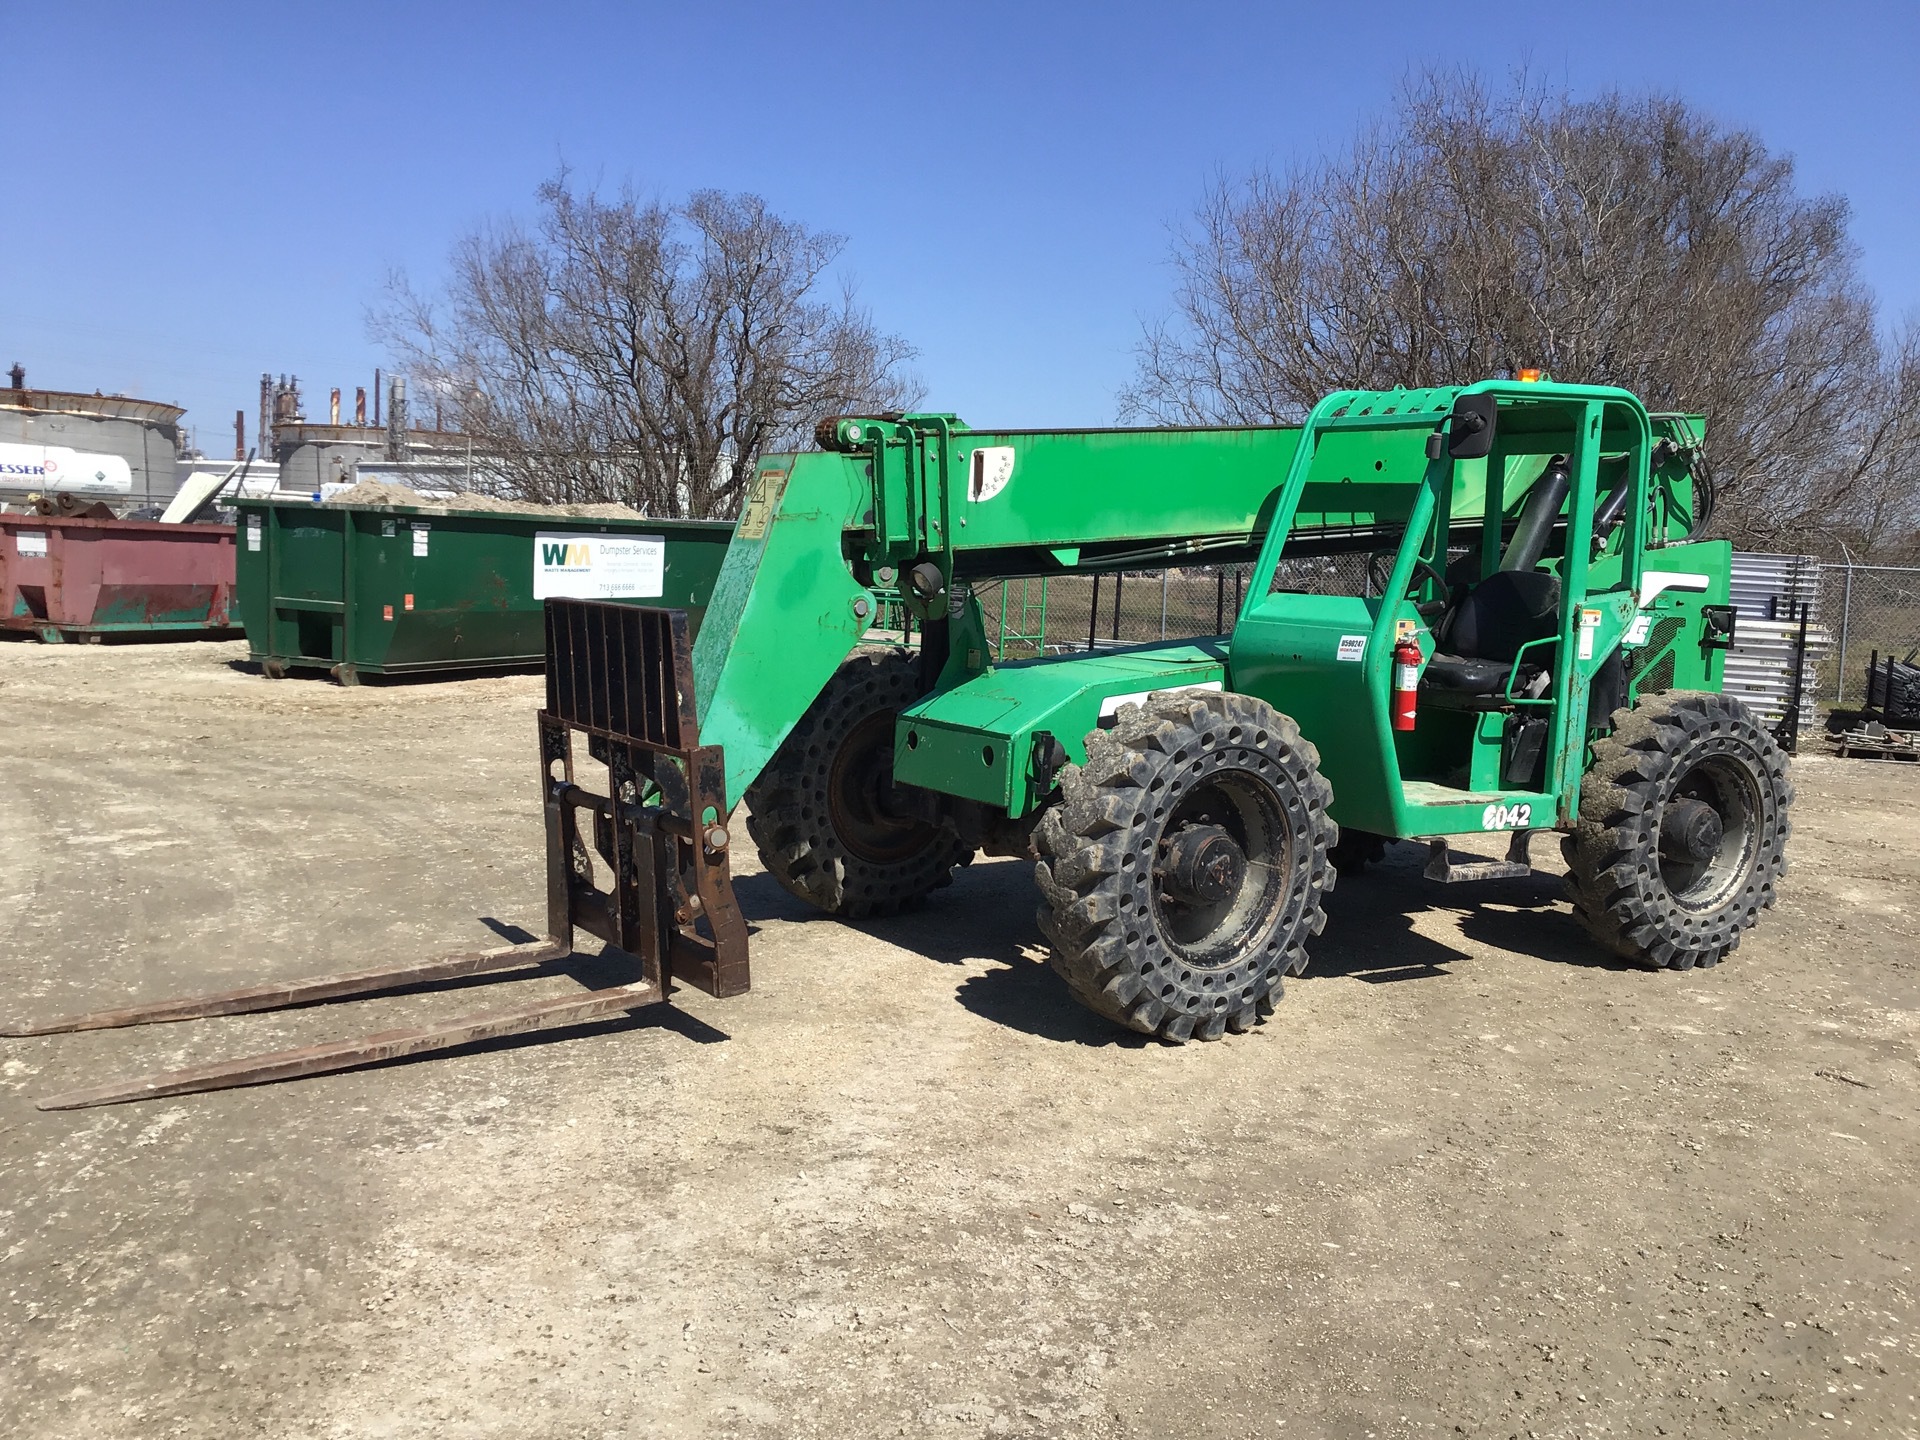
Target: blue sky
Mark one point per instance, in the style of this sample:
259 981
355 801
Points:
195 193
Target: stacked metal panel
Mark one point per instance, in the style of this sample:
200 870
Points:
1768 592
1766 587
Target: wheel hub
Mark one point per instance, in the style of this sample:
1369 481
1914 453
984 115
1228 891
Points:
1690 830
872 816
1202 866
1709 836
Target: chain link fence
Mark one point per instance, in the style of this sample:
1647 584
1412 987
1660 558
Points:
1061 613
1865 609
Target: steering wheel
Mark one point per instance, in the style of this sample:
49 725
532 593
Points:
1380 570
1433 572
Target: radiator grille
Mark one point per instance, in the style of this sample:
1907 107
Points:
1653 663
1657 676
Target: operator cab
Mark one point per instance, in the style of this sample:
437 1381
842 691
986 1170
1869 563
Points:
1503 530
1487 624
1501 629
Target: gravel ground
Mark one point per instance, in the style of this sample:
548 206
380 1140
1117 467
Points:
1474 1179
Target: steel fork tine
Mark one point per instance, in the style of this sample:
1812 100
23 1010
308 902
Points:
344 1054
297 992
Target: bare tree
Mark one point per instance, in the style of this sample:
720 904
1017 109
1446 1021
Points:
1625 241
1866 498
643 352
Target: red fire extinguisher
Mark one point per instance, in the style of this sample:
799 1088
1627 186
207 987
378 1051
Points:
1406 681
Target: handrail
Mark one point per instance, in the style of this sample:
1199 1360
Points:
1508 695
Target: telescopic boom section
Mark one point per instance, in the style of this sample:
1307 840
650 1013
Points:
914 509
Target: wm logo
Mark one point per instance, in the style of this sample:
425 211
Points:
566 554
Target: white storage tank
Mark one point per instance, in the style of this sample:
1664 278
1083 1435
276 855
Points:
103 447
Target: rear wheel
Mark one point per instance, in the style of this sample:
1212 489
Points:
1185 868
830 825
1683 830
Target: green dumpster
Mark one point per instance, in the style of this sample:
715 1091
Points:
405 590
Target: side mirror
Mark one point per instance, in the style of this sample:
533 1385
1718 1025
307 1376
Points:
1470 427
1717 626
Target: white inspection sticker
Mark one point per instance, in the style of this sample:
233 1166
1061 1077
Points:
1589 624
253 532
599 567
1352 647
30 543
420 534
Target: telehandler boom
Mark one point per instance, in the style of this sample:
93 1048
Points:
1536 645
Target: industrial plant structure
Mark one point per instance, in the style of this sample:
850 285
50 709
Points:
133 454
99 447
312 455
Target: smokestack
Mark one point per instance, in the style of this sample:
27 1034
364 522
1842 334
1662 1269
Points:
333 407
18 375
286 401
360 405
239 434
266 416
397 418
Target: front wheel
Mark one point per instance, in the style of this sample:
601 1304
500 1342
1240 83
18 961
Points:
830 824
1184 869
1682 832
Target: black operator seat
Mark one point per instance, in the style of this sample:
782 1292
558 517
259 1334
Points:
1481 634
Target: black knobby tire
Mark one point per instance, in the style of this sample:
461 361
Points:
824 813
1682 832
1185 767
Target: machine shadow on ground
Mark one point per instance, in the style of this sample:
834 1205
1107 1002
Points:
987 915
1526 916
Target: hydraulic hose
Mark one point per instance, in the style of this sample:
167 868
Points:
1704 493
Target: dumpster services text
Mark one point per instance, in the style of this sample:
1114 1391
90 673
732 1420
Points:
599 567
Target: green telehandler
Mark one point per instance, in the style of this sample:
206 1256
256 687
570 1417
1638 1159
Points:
1534 643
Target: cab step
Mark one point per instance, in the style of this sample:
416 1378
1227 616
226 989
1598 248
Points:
1443 867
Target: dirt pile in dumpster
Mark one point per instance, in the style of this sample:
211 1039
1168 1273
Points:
381 492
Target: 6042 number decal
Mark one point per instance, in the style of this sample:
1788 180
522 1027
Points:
1506 817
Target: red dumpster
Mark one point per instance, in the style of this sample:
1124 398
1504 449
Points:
65 579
